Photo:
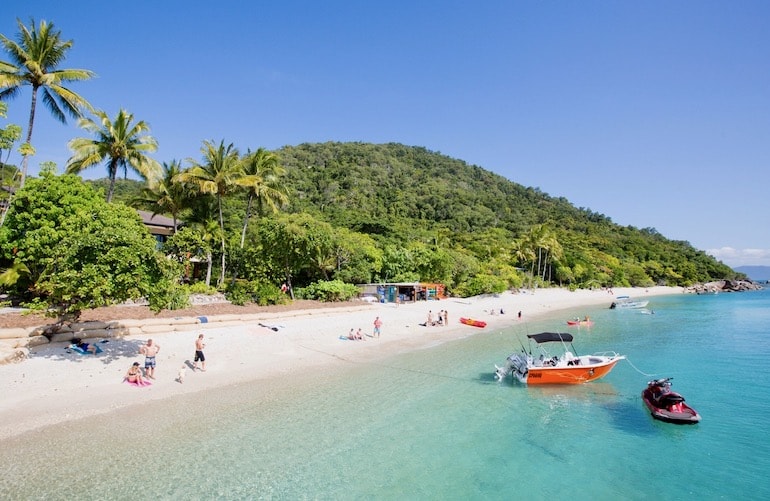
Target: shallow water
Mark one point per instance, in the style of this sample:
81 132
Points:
434 424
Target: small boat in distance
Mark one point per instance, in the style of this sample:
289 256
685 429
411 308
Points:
586 322
473 322
567 368
626 302
667 405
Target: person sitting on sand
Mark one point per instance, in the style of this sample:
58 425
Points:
352 335
360 335
134 374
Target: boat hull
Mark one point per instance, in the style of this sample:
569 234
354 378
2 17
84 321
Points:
568 375
622 305
472 322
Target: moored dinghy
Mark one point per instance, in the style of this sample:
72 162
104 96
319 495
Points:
567 368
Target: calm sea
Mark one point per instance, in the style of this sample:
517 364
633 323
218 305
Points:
435 425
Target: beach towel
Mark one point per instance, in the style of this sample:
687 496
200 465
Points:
271 327
78 349
134 383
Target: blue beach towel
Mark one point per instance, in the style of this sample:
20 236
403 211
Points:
78 349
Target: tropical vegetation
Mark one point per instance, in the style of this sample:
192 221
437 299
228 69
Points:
318 218
121 143
35 59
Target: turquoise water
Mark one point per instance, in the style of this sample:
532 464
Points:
434 424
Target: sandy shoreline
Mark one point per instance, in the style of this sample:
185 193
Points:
54 386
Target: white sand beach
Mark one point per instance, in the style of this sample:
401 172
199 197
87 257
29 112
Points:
54 386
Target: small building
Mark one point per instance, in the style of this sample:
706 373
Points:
404 291
160 227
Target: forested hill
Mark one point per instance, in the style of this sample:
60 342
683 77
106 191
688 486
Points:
401 213
398 194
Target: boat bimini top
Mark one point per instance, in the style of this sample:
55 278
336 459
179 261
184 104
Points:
550 337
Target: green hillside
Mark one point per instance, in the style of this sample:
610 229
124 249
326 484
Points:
400 194
390 212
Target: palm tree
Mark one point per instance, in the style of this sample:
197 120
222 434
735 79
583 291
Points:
166 195
542 238
207 232
261 177
120 143
220 171
36 54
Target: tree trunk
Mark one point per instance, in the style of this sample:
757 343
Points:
208 269
222 230
25 159
246 221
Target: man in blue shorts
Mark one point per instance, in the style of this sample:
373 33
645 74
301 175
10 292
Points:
149 351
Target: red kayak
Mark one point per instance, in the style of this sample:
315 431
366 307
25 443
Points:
667 405
580 322
474 323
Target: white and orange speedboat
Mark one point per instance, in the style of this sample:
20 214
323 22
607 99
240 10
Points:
567 368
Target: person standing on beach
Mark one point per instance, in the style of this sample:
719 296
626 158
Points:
199 357
377 325
149 351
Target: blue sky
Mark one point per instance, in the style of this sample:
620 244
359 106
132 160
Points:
654 113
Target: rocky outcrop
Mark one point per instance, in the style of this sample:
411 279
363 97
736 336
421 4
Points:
723 286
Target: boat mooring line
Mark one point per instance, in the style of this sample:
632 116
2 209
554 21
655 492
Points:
637 370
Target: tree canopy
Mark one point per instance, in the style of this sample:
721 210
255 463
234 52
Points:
36 55
78 251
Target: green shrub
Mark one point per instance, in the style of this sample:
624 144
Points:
238 292
481 284
329 291
170 297
241 292
202 288
269 293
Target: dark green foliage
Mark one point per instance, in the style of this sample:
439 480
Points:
168 295
367 213
400 195
82 252
240 292
481 284
329 291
